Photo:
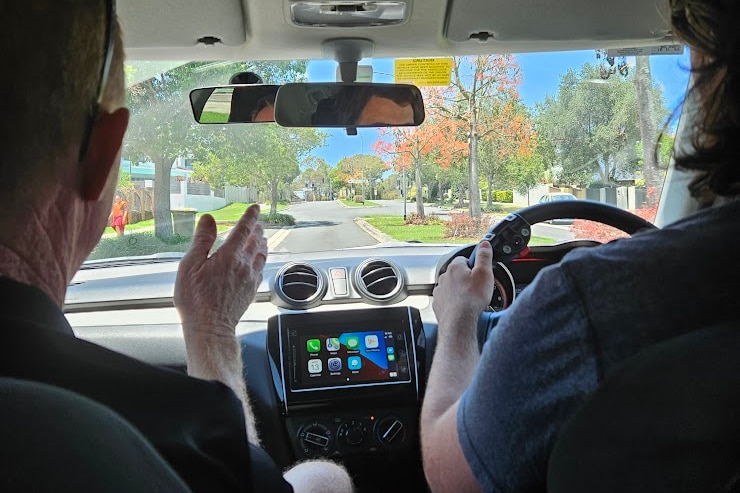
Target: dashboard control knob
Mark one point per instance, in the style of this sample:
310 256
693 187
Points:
390 431
353 433
315 439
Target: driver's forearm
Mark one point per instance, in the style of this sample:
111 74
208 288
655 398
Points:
212 356
455 359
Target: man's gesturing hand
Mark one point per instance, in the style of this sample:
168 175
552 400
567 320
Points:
212 293
463 293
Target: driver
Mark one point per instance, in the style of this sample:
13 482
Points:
489 420
62 126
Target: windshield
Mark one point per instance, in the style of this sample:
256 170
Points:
506 131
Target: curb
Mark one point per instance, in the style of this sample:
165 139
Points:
378 235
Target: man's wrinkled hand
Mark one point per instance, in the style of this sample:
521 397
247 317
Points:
213 292
464 293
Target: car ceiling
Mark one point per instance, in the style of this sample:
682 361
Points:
261 29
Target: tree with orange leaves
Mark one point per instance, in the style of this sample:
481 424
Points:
410 148
481 104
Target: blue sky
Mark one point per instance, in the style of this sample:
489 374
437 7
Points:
541 74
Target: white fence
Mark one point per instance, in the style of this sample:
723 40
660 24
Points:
532 198
201 203
245 195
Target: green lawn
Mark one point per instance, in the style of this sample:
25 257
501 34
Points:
393 226
367 203
213 117
231 212
138 244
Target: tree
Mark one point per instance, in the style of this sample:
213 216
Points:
526 170
414 148
316 175
267 156
500 153
482 86
161 126
651 171
361 167
593 125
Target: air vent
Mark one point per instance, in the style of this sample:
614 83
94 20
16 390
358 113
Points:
379 280
299 284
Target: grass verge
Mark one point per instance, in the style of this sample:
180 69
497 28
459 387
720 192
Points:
231 212
139 244
394 227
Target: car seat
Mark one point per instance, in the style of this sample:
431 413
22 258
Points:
668 420
52 439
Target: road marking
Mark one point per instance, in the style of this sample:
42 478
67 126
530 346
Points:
277 238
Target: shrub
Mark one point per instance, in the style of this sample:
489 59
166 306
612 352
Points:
417 220
359 199
277 219
589 230
506 196
463 226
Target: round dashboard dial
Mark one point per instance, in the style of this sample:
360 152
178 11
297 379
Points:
503 290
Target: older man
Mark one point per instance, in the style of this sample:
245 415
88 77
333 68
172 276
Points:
63 123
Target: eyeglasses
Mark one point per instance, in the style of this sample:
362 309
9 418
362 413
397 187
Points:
110 36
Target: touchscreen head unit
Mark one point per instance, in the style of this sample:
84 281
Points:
316 357
340 355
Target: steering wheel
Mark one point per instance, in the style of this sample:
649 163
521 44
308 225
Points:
510 236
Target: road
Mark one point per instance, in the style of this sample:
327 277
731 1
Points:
330 226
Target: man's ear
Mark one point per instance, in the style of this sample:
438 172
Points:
102 152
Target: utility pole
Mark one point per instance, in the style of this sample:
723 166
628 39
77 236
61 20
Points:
362 166
403 193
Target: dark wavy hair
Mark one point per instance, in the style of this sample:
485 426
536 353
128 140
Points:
711 28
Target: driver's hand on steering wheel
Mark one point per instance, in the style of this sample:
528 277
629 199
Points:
462 293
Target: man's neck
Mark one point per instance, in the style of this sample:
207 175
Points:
45 242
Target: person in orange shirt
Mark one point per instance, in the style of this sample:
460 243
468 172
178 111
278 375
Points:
119 215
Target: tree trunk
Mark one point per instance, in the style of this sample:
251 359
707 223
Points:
603 167
473 180
419 189
461 196
489 179
440 192
162 211
648 129
275 197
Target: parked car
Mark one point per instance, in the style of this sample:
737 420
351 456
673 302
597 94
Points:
552 197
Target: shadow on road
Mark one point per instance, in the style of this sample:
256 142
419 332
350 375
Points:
314 224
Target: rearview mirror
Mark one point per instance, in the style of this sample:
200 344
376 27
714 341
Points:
348 104
241 103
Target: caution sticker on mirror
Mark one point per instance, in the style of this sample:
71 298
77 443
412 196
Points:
423 71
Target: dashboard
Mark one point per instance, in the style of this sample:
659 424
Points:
336 345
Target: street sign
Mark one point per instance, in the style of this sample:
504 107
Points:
357 181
